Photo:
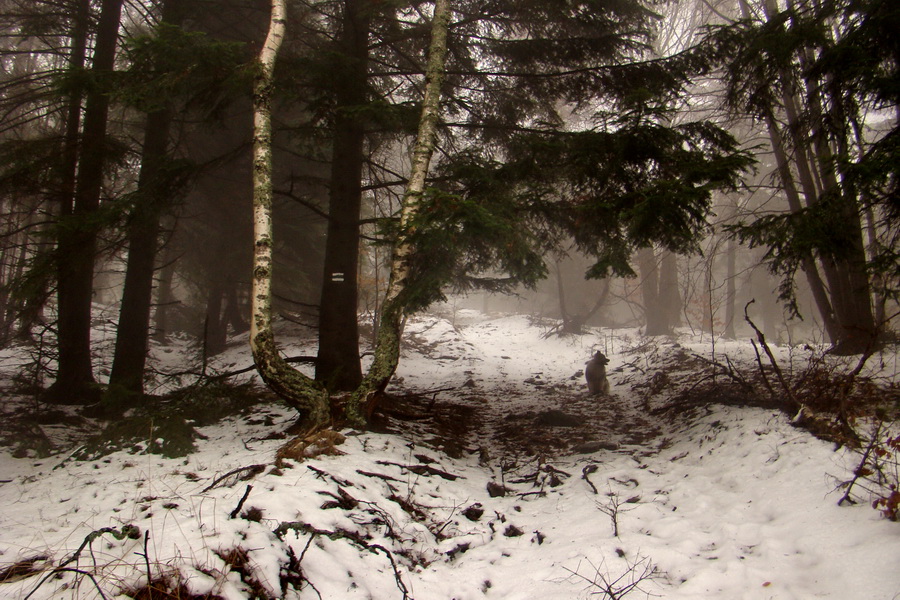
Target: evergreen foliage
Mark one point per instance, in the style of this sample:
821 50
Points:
171 65
839 60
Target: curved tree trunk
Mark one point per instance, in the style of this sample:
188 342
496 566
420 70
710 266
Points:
296 389
387 344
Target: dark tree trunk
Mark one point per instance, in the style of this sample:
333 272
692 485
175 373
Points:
143 233
133 332
338 363
165 298
215 331
233 314
850 322
77 239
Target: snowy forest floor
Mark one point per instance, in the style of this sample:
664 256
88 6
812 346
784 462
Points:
491 473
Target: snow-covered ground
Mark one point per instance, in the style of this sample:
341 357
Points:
708 501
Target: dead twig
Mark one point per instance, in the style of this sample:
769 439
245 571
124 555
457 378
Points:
128 531
728 370
796 405
240 504
241 473
355 538
635 574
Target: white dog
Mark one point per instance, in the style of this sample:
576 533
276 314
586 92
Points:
595 373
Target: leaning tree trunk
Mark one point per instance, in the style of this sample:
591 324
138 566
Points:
293 387
853 328
387 344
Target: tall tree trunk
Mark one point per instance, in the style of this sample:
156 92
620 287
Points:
669 295
561 294
165 296
295 388
807 263
387 347
215 330
854 328
143 232
730 288
659 291
77 242
338 363
233 314
654 320
133 332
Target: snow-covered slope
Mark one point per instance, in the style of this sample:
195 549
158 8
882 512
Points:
706 502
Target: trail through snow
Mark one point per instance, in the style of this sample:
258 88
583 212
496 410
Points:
710 501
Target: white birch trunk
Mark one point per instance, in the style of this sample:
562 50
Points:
296 389
387 349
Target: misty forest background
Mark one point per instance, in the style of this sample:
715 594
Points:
604 163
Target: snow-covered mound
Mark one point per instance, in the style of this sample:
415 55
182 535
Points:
707 501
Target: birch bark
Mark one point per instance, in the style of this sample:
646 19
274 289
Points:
387 348
293 387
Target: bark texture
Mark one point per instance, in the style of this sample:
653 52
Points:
387 348
296 389
130 358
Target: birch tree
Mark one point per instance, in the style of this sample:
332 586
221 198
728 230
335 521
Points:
291 385
387 345
295 388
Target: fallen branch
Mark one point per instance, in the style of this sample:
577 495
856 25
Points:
422 470
587 470
323 474
379 476
251 471
340 534
797 406
131 532
240 504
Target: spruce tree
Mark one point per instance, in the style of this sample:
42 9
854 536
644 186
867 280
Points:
77 242
822 79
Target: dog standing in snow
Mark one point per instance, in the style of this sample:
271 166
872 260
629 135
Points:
595 373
